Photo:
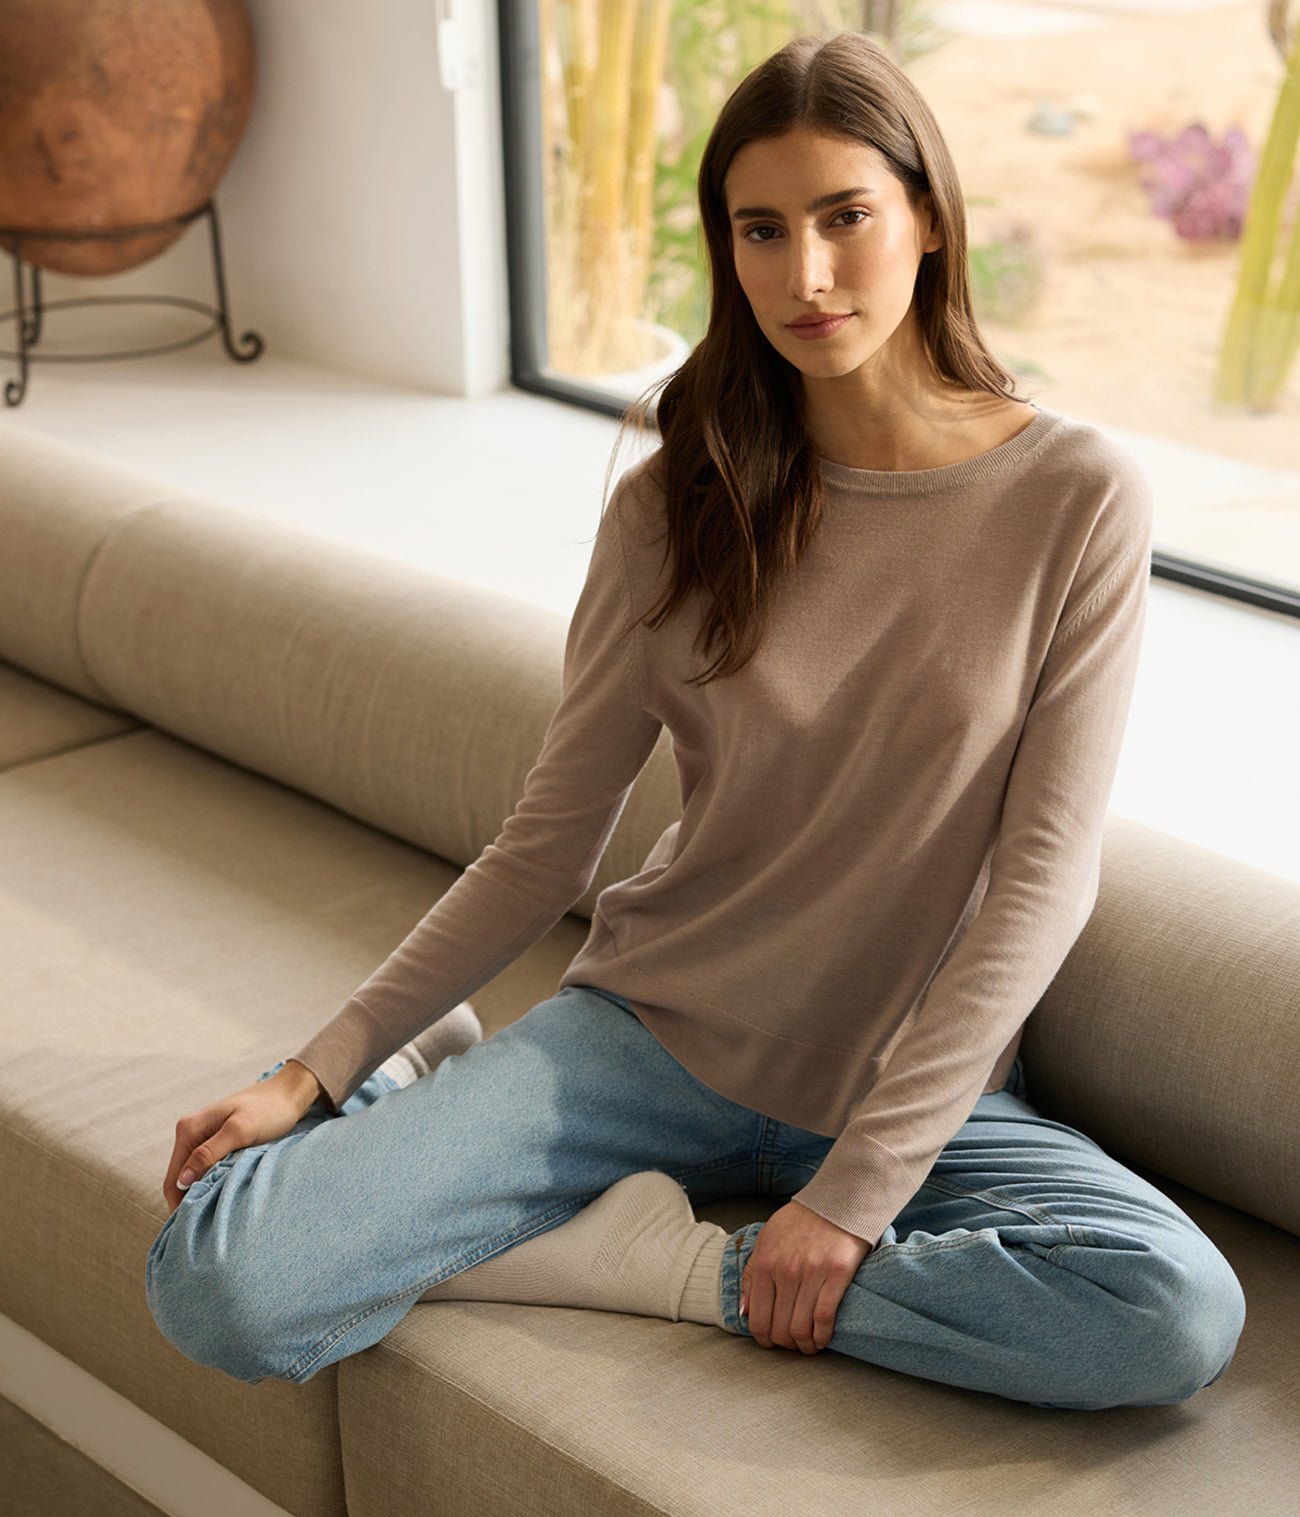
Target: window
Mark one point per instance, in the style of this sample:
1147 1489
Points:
1133 221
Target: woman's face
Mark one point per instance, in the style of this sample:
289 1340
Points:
796 257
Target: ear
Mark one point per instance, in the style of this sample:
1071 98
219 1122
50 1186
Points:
934 237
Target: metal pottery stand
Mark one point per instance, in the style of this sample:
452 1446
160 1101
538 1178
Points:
29 325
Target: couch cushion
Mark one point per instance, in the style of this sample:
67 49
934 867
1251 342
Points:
406 699
1170 1034
170 925
58 506
470 1407
37 719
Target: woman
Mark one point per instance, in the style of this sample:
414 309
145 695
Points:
923 599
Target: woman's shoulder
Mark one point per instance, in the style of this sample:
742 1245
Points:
1111 504
645 475
639 501
1091 453
1089 466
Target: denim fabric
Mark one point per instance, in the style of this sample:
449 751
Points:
1029 1264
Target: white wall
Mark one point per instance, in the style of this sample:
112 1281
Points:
362 216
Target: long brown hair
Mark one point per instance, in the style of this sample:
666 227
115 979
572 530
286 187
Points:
737 472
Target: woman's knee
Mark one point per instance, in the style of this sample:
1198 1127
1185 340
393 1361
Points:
1178 1310
1201 1325
208 1306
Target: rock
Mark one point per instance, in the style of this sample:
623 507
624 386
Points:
1051 121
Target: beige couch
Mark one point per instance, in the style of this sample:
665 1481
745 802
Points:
237 763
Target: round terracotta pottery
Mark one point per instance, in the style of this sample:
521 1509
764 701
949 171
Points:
113 114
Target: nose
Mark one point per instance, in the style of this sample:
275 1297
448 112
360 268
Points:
810 272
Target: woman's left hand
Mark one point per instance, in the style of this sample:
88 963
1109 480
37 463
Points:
799 1269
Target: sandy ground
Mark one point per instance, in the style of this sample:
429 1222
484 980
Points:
1128 327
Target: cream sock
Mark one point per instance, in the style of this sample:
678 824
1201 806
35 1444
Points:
702 1297
452 1033
634 1249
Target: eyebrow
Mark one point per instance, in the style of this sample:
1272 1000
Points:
820 204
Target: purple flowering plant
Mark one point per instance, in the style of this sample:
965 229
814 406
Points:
1201 186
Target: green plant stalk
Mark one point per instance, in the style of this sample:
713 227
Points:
649 49
1277 340
602 172
572 46
573 43
1282 351
564 28
1261 334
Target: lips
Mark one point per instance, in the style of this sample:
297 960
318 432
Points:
821 328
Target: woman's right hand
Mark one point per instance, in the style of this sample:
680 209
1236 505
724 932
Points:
259 1113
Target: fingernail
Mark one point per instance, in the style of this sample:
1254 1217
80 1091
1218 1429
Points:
185 1179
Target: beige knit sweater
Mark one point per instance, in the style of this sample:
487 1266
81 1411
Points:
891 817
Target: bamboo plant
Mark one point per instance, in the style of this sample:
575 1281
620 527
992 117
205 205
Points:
1262 335
600 159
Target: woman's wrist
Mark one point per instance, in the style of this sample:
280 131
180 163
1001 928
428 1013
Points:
302 1081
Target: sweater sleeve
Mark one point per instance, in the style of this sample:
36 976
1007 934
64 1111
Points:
1043 880
547 852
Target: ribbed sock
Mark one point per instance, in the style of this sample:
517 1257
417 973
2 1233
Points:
702 1296
452 1033
635 1249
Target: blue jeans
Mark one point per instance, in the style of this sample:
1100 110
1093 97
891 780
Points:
1029 1264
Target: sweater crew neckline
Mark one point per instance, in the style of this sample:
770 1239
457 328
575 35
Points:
844 480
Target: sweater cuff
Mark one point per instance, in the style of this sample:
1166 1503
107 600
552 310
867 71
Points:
861 1186
350 1046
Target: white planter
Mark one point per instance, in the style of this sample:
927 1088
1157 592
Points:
629 384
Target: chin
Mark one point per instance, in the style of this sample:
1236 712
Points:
824 365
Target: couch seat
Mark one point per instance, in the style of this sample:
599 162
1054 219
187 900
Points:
171 924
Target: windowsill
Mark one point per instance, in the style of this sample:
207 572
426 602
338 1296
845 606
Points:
1213 743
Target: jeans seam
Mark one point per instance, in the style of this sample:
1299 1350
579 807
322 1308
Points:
1079 1235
